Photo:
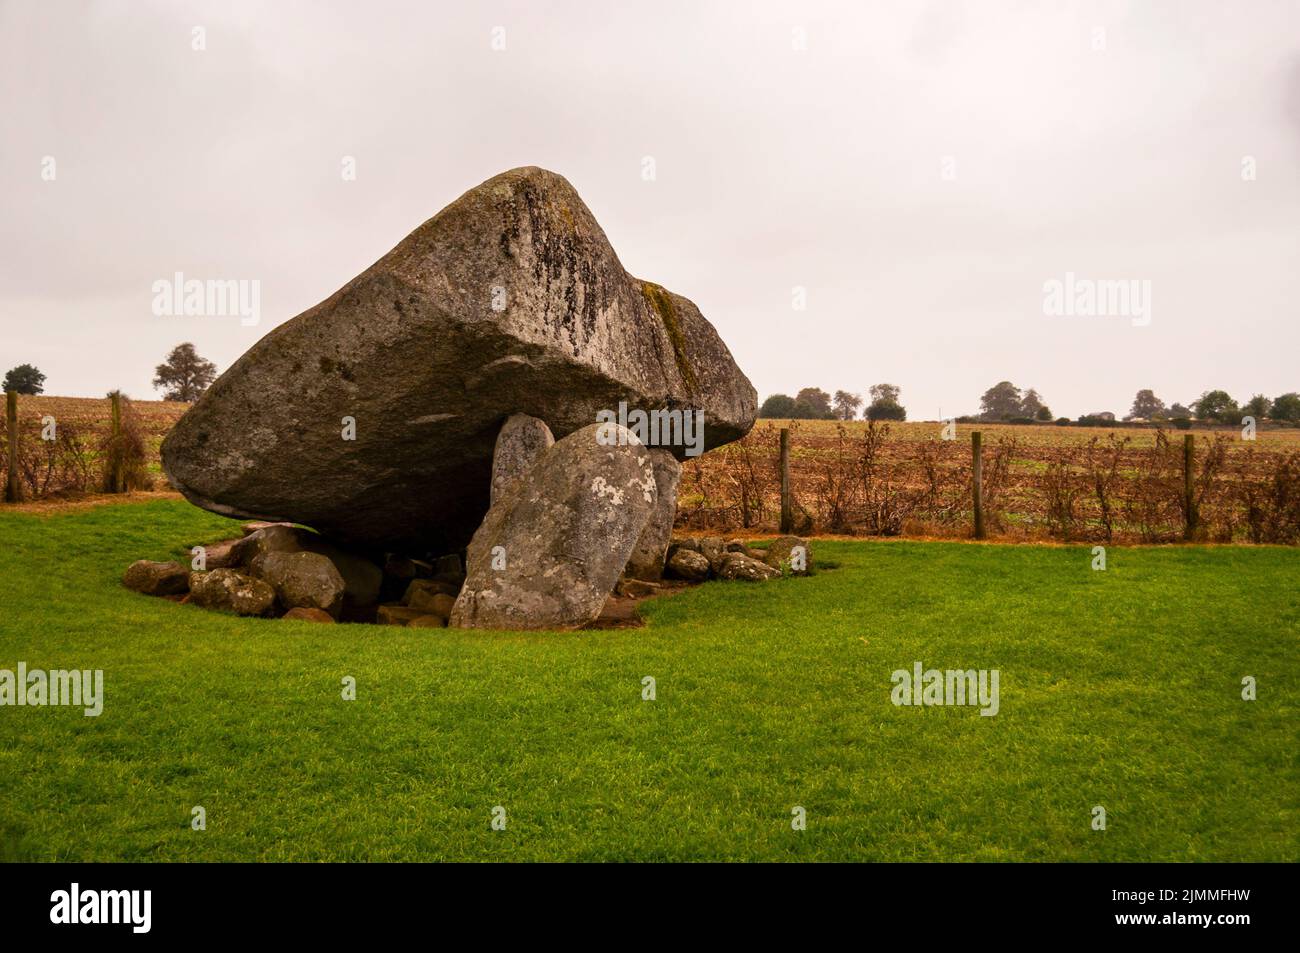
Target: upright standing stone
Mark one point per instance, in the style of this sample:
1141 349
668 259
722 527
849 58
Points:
521 441
651 549
550 550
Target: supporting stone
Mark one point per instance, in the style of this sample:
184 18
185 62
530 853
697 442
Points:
550 551
651 549
520 443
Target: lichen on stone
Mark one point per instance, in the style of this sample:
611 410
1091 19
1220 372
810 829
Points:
662 304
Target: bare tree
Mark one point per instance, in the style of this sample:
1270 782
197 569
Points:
846 405
184 375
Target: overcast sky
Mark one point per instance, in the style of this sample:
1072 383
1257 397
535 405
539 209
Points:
920 169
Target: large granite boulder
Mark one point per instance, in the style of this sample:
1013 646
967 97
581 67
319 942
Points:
550 551
647 561
372 417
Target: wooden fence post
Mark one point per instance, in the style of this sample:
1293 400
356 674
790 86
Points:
787 514
13 487
1189 501
117 479
977 482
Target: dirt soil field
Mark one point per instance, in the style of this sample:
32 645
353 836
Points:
1122 484
1117 484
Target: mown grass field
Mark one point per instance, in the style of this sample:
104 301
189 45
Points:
1119 688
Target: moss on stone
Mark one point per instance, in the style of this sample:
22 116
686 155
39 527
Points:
561 211
662 304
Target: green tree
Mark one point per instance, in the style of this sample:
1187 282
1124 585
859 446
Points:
25 379
1287 407
846 405
1031 404
1147 405
778 406
1000 402
885 403
1258 407
886 410
184 375
813 403
1177 410
1044 414
888 393
1217 405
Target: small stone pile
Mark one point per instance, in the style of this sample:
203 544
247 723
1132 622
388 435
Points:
280 570
696 559
277 570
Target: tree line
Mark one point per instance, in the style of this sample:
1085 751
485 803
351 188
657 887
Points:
1004 402
183 376
813 403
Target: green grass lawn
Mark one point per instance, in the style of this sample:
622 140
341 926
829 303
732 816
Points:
1119 688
